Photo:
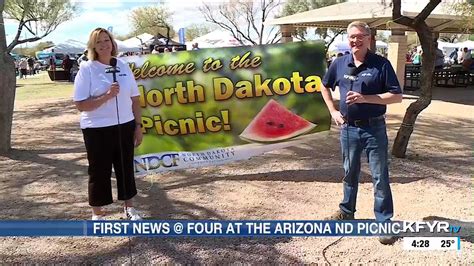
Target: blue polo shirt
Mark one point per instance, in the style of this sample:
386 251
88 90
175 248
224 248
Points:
374 76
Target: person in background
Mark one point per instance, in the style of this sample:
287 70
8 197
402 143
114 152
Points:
156 50
361 117
31 66
439 57
23 68
37 67
110 123
82 58
195 46
74 71
460 55
417 56
67 65
466 59
453 56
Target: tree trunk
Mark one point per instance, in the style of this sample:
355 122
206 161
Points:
7 98
404 133
7 90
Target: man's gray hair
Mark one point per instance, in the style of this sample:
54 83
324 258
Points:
361 25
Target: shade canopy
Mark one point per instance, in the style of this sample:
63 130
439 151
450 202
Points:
377 15
139 40
68 47
216 38
123 46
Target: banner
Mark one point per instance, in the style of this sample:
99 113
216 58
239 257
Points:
229 228
213 106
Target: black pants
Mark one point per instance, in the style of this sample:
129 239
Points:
103 152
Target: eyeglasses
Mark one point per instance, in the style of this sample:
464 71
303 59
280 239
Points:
357 37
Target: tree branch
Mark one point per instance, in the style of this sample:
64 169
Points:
397 15
432 4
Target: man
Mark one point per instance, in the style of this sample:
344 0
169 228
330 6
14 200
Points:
439 57
367 83
195 46
454 56
466 59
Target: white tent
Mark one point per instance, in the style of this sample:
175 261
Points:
468 44
137 41
448 47
216 38
68 47
122 46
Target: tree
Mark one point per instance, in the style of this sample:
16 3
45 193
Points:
196 30
297 6
244 19
427 39
38 18
152 19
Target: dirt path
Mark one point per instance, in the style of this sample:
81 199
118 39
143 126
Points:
44 177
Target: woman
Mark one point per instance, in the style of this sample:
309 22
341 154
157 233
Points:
110 131
417 56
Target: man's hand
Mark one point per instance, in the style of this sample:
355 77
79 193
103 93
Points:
354 97
338 118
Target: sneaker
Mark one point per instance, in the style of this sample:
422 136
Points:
387 240
340 215
96 217
132 214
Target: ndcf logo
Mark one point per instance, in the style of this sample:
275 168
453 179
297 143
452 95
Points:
150 163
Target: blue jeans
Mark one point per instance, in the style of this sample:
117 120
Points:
373 139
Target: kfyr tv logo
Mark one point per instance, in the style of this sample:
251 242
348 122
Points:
156 161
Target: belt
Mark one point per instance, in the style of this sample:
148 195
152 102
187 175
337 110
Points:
366 122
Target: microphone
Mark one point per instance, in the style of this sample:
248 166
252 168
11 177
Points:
113 68
352 75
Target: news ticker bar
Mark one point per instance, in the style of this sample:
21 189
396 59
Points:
214 228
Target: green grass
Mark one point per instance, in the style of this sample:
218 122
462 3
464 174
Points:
40 87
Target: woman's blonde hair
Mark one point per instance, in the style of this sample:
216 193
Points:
92 54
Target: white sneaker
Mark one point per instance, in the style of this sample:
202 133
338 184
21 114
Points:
97 217
132 213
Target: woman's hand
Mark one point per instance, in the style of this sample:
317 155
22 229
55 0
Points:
138 136
113 90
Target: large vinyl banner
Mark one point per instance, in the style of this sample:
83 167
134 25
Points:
213 106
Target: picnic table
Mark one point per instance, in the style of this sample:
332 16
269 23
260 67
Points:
451 76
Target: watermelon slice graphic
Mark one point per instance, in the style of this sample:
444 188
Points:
274 123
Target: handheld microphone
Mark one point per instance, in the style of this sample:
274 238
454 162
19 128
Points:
113 68
352 75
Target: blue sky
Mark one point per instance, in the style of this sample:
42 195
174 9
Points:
105 13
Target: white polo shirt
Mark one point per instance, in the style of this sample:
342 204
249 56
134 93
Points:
93 81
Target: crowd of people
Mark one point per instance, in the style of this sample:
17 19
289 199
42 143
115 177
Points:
459 56
27 66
